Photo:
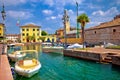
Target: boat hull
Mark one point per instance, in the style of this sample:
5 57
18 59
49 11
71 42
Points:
15 57
27 72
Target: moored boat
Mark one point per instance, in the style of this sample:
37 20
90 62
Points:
14 56
29 65
53 49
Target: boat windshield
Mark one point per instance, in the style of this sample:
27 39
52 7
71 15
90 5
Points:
28 55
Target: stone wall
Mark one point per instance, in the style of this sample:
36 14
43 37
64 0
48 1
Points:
84 55
101 35
116 60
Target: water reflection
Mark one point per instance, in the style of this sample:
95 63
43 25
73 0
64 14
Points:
32 47
58 67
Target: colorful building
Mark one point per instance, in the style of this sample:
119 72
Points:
13 37
30 33
49 38
1 30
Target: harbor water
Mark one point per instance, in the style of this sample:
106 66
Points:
59 67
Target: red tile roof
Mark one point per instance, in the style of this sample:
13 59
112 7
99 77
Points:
30 25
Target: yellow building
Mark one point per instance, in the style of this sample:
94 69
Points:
1 30
30 33
48 38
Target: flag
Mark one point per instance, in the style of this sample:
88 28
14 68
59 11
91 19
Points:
18 22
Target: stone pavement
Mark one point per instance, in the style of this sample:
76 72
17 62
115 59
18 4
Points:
5 70
103 50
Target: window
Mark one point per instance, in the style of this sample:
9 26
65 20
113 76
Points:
38 34
23 34
95 32
33 34
37 29
33 29
27 34
114 30
27 29
23 29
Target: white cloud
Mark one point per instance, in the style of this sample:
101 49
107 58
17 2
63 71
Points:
53 17
13 2
117 1
70 11
61 2
100 16
48 12
111 12
48 29
19 14
49 2
98 13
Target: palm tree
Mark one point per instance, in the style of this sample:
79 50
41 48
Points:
31 38
83 19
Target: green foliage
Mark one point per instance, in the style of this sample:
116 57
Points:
42 38
31 38
113 47
44 33
83 19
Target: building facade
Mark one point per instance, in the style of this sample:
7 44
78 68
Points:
30 33
1 30
108 32
13 37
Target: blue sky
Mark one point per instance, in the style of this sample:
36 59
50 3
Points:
48 13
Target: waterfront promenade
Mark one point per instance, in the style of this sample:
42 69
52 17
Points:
96 54
5 71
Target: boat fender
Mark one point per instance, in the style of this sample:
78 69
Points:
13 70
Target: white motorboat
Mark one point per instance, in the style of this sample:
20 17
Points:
53 49
29 65
14 56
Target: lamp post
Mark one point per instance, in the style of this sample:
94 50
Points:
3 17
65 19
77 34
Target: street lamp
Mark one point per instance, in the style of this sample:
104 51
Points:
3 17
65 20
77 34
3 13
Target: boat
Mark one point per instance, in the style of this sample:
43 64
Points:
14 56
29 64
15 44
49 48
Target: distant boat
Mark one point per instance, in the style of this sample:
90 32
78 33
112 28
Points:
29 64
76 45
49 48
15 44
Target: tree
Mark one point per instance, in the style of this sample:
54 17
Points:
83 19
44 33
42 38
31 38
